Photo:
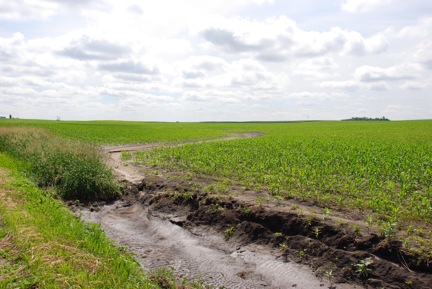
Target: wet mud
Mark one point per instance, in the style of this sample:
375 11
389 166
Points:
167 223
198 252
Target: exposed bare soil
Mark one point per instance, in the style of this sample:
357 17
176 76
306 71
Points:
134 174
135 147
168 219
160 235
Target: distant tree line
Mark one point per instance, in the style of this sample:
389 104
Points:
367 119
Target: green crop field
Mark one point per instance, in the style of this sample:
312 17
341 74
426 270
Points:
383 170
380 169
384 167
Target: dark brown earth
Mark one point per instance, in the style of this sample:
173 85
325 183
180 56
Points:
336 248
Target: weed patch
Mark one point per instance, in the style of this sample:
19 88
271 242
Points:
77 170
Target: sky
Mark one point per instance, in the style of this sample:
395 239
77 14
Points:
225 60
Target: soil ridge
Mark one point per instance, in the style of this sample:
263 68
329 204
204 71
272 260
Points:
334 248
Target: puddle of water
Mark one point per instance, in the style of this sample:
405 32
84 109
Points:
199 252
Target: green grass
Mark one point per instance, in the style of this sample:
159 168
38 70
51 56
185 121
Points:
123 132
76 169
44 245
53 249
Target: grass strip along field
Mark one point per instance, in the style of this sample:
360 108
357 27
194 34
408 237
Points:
42 244
383 171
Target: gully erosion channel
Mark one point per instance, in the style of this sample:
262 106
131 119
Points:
162 233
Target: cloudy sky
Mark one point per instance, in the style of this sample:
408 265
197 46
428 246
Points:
195 60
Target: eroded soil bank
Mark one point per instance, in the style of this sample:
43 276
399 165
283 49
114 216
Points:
233 237
165 221
172 233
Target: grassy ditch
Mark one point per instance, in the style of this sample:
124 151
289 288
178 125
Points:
76 169
44 245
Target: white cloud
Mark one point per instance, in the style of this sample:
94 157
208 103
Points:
306 103
19 90
142 53
26 10
205 64
421 29
403 71
318 64
34 57
402 111
358 6
7 81
278 40
353 85
227 97
152 87
310 74
318 95
245 74
377 86
320 67
345 85
422 54
87 48
363 110
336 95
135 94
414 85
378 79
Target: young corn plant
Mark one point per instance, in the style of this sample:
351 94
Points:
228 233
388 231
362 267
326 214
329 275
356 229
284 249
369 222
316 231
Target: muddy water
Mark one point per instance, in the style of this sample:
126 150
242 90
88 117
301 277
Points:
159 242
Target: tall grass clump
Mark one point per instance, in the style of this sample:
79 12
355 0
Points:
76 169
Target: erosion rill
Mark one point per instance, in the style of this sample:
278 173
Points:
232 243
189 238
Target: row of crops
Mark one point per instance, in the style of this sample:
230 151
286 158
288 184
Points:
381 167
378 167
